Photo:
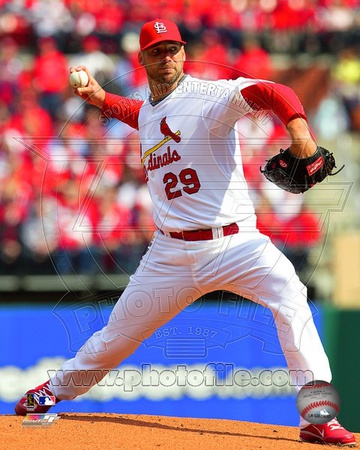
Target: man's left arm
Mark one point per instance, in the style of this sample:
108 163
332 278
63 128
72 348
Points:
303 164
285 104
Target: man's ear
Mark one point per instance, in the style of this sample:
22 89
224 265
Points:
140 59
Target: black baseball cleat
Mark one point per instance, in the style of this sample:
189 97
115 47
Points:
37 401
328 433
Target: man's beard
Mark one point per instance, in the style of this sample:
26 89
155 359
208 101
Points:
161 86
162 79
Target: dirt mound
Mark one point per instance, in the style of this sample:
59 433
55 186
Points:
140 432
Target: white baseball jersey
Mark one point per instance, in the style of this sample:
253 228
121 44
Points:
195 178
190 147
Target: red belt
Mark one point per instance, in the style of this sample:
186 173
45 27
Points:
205 235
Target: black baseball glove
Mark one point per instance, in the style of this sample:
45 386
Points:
297 175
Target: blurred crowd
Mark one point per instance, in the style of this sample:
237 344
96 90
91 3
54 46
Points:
72 193
284 25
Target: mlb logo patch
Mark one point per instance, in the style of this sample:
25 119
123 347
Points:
48 400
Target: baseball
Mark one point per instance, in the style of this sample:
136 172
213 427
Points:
318 402
78 78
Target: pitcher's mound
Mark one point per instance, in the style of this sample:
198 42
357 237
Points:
140 432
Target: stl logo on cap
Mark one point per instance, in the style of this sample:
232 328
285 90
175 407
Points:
159 30
160 27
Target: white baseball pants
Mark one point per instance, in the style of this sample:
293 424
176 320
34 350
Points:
173 274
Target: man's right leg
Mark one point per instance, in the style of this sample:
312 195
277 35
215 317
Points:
156 293
139 312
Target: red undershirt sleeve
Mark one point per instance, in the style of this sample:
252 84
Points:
275 97
121 108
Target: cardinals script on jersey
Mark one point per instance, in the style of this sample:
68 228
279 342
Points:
222 197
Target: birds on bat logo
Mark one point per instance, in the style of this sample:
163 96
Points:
166 131
156 161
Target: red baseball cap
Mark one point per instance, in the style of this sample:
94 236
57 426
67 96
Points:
159 30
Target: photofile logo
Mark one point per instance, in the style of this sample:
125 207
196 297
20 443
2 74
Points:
39 420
